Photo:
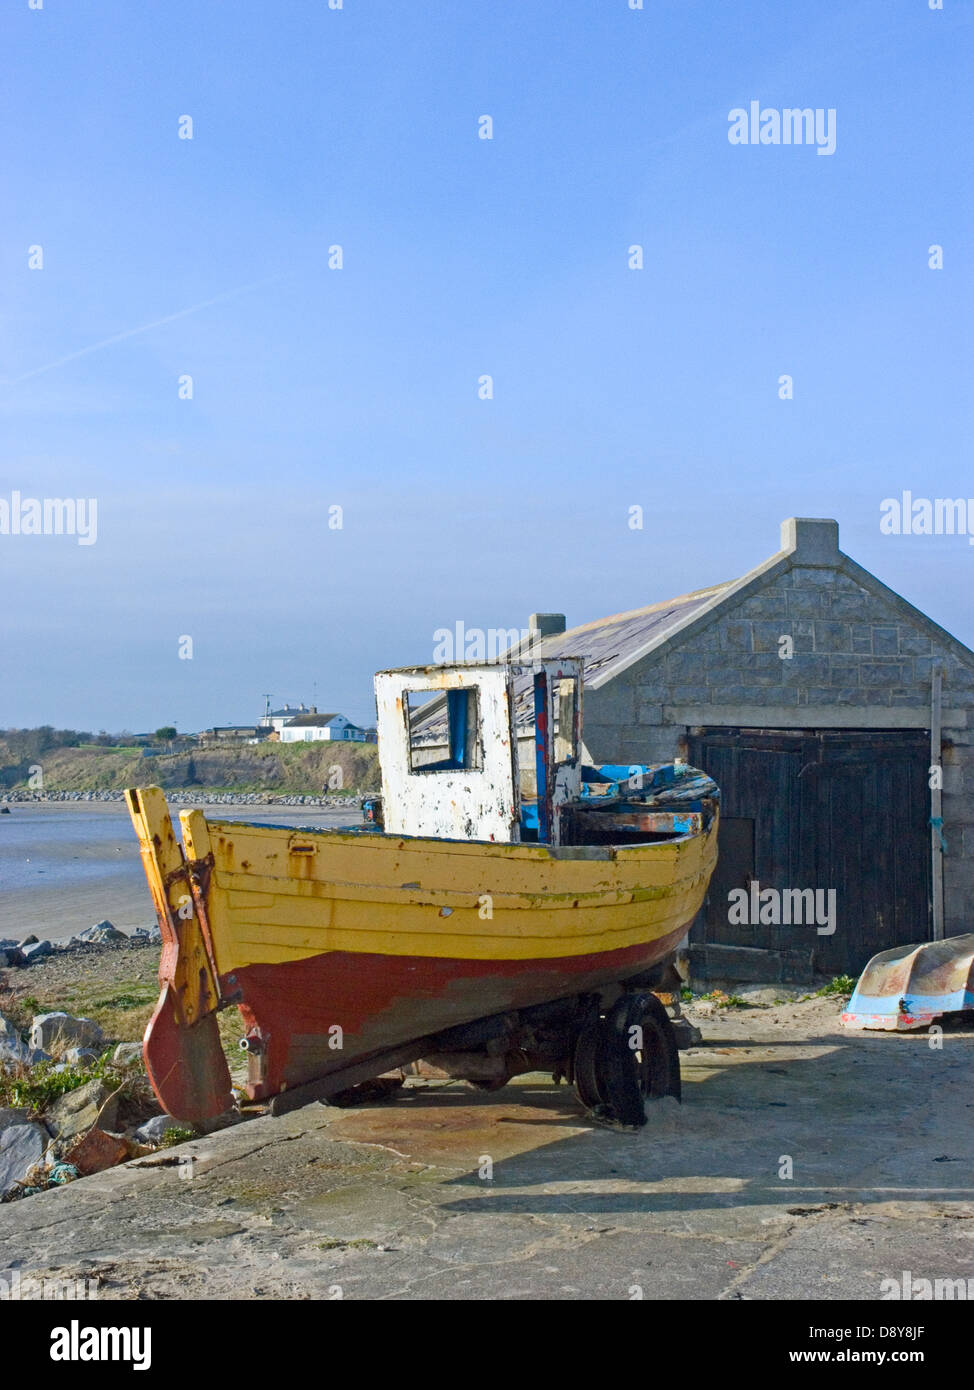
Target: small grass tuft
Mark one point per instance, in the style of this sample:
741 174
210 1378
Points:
725 1001
176 1135
840 984
39 1086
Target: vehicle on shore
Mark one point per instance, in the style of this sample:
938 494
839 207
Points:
513 913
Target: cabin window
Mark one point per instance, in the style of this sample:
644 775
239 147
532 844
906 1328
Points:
443 729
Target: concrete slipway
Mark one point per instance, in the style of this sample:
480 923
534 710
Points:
387 1202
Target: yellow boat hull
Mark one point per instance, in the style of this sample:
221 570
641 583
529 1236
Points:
343 949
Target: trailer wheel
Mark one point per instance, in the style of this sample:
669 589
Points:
658 1059
626 1058
586 1063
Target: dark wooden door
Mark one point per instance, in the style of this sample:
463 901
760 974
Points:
841 811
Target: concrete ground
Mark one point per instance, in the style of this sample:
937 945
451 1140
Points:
455 1194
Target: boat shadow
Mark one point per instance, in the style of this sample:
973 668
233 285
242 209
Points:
866 1119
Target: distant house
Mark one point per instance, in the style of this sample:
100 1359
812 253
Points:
313 728
274 720
229 733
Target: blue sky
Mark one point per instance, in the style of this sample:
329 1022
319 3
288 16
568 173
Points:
358 387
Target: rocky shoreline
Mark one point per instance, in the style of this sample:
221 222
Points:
183 797
102 934
73 1099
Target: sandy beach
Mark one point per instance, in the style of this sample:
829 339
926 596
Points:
66 865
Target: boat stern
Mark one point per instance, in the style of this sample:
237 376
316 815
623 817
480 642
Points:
181 1047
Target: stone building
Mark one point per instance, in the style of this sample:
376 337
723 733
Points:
830 711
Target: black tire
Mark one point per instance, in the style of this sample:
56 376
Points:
659 1063
626 1075
622 1067
588 1048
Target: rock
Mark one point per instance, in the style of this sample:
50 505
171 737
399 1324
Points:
150 936
91 1104
11 1050
27 941
78 1056
102 933
36 951
19 1054
61 1028
763 994
96 1151
127 1054
154 1130
14 1051
10 1117
21 1148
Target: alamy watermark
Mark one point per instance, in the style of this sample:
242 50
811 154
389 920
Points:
782 907
50 516
907 515
913 1290
21 1288
791 125
484 645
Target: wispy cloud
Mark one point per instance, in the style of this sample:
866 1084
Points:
134 332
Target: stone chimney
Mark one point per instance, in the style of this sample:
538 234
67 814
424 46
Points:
814 540
546 624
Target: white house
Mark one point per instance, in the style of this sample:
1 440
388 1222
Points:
275 719
312 728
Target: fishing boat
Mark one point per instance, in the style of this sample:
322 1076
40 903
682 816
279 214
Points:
508 908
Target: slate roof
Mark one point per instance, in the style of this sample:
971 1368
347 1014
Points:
310 721
610 644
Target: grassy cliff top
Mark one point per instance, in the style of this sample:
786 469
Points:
300 768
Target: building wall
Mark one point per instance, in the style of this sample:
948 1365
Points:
317 733
861 660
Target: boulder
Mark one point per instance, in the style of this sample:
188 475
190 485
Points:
27 940
36 951
49 1029
127 1054
10 1117
102 933
82 1109
21 1148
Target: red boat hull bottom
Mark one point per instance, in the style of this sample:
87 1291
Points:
186 1065
312 1017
